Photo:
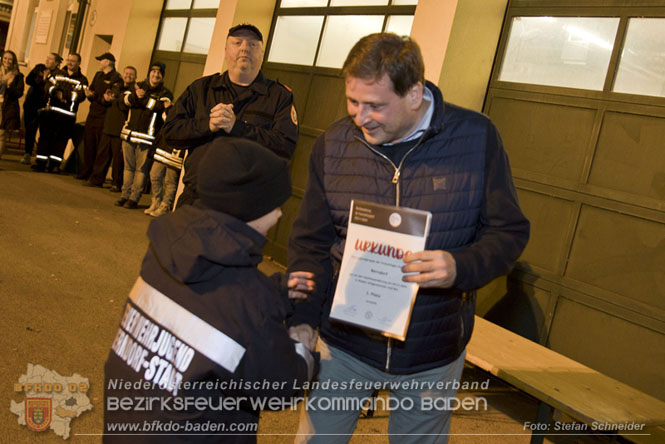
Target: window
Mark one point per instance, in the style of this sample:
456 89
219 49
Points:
183 40
321 32
172 34
199 35
341 33
642 64
297 41
28 32
571 52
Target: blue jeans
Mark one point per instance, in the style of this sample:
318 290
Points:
164 183
411 421
136 169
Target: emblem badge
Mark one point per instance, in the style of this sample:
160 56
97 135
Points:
439 183
38 413
294 115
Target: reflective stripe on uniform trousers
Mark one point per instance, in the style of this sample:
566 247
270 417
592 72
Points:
197 333
60 110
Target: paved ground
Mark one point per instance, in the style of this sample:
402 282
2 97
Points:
68 258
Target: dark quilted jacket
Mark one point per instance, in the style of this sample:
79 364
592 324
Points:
460 173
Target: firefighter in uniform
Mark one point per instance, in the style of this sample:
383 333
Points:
145 104
240 102
65 91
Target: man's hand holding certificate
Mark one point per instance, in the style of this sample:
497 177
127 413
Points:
371 291
436 268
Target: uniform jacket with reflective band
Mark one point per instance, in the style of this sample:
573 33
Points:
458 171
65 91
264 112
201 289
98 105
145 115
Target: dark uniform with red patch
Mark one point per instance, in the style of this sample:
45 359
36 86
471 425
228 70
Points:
265 112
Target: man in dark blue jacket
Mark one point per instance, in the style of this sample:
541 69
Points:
402 145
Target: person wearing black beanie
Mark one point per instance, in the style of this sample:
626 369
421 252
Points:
241 178
201 294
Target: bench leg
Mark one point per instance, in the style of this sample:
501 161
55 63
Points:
543 416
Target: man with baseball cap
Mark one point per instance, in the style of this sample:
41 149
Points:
104 82
241 102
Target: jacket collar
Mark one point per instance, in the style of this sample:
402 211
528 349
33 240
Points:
222 81
439 107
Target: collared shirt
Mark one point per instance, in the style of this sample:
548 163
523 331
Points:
395 151
424 122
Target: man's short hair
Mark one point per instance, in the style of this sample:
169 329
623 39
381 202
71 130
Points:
77 55
132 68
386 53
58 57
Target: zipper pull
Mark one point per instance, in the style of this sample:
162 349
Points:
396 176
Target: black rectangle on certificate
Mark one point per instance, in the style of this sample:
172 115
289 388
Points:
386 217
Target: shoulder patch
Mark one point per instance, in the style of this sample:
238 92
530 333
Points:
294 115
285 87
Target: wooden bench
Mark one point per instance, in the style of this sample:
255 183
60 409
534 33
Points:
561 383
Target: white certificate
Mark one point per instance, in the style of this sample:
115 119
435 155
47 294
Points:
370 292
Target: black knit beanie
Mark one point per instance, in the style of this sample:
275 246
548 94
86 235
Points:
159 66
242 178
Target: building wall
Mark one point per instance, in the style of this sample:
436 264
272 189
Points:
230 13
129 25
467 30
469 56
132 26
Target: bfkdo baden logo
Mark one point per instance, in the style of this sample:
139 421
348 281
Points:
37 413
51 400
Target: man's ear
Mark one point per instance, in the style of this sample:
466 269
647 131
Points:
415 95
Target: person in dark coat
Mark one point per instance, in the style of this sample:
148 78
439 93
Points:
35 99
240 102
110 147
105 80
11 89
202 325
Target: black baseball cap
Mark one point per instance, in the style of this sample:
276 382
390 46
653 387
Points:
245 27
106 55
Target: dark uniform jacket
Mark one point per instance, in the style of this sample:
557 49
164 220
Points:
201 312
458 171
65 91
116 114
11 112
36 97
145 114
265 113
98 105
